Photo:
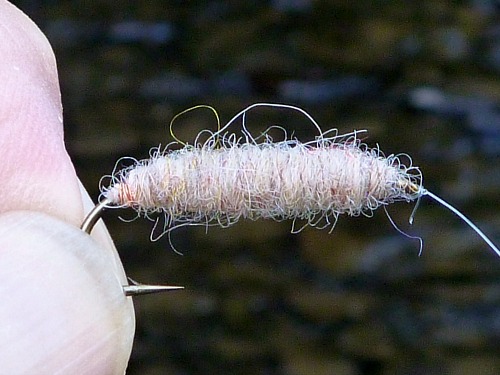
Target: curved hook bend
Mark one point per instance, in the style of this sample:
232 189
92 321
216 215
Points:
135 289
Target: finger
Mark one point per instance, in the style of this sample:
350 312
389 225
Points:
36 171
63 309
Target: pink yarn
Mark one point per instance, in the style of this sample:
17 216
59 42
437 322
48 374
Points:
284 180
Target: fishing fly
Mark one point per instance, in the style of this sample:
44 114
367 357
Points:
228 177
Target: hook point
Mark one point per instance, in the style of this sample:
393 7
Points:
136 289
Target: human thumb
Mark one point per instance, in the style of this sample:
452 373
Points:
58 297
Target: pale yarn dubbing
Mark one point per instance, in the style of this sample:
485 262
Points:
283 180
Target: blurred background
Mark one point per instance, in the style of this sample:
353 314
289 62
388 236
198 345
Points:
422 78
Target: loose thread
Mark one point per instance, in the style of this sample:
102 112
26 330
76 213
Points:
463 217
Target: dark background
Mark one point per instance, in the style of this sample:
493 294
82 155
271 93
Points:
422 77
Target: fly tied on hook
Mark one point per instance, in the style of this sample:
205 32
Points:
230 176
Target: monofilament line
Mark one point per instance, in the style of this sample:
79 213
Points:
463 217
230 177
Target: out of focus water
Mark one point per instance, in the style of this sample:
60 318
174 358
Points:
422 78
